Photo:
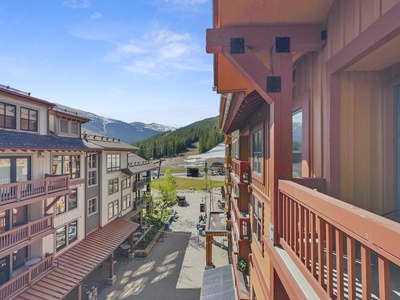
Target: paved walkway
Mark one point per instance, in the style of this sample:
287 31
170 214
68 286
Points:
173 270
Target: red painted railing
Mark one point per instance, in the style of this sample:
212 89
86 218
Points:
24 190
241 169
241 222
22 233
13 286
335 245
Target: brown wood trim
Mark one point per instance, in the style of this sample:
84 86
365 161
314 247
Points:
292 288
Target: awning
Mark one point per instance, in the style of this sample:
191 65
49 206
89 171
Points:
126 171
71 267
218 284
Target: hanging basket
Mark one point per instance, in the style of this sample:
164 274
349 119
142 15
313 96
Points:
242 265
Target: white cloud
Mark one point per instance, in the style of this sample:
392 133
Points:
77 3
96 16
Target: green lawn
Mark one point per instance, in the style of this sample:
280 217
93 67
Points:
188 183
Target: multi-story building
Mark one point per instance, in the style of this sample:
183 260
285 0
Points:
62 198
310 108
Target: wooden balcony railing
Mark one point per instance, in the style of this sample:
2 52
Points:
25 232
240 286
241 222
337 246
13 286
24 190
241 169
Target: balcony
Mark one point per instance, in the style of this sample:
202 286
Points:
141 184
241 279
26 233
26 192
17 284
241 222
241 170
341 250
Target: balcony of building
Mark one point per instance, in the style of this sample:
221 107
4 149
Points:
326 248
141 184
240 222
241 278
23 235
26 277
241 170
27 192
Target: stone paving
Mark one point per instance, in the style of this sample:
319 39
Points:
173 270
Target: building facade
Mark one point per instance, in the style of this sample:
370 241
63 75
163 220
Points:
309 105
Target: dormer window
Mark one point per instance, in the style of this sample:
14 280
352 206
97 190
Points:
7 115
29 119
69 127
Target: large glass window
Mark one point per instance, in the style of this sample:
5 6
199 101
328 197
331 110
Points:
297 142
29 119
113 186
7 115
67 203
92 169
257 219
113 162
257 151
13 169
67 164
66 237
19 257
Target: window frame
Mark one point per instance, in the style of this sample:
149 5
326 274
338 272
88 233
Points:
126 182
90 210
36 122
92 171
65 200
5 116
257 220
114 184
113 162
126 202
258 176
67 241
113 209
67 165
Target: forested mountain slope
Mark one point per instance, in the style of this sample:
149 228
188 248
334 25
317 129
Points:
206 132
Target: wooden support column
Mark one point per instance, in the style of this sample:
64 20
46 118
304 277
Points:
131 253
112 278
209 240
80 291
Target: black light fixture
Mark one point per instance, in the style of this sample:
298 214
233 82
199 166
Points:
237 46
273 84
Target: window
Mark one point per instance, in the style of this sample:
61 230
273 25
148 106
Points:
126 182
113 209
113 186
297 142
64 237
29 119
67 164
257 219
61 241
113 162
92 169
74 128
92 206
257 151
63 126
7 115
67 203
126 201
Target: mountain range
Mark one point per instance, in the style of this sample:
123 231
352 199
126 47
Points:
127 132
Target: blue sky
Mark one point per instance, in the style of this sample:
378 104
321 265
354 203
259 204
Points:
132 60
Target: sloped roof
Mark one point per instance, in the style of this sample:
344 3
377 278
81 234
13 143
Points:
97 141
25 140
138 164
72 266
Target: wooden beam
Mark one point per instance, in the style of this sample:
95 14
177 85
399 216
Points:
302 37
52 203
